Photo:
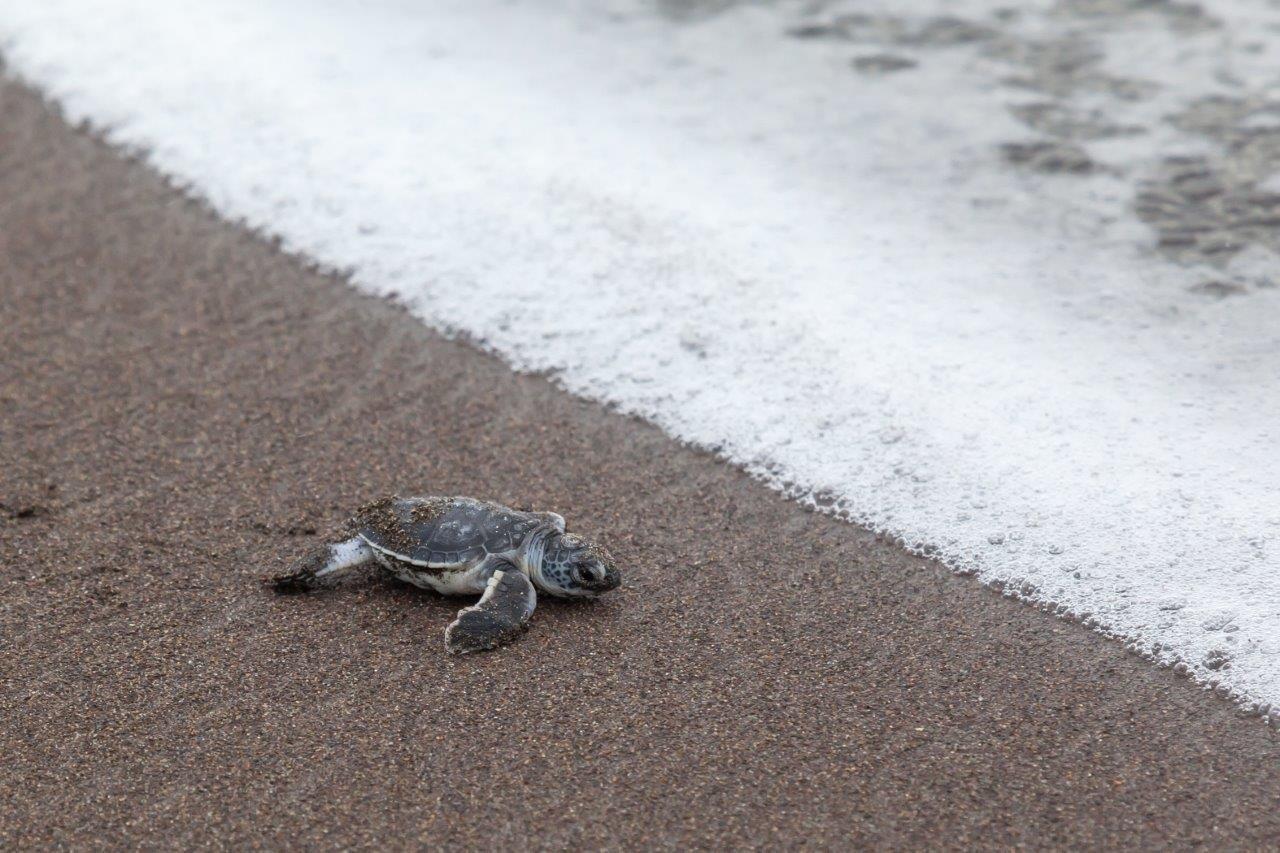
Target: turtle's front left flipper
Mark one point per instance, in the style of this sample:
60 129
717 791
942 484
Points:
499 616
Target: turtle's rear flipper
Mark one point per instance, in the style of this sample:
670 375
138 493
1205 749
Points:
321 567
499 616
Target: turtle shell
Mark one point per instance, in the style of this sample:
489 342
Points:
442 532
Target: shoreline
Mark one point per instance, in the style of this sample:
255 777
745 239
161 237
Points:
185 408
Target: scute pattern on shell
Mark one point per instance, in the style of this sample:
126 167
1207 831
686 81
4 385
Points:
442 530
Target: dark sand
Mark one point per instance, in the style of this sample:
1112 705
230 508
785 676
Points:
184 408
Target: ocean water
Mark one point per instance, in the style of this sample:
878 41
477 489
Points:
998 281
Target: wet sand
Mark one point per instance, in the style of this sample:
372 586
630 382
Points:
184 408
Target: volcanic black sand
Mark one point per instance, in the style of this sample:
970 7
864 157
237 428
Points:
184 408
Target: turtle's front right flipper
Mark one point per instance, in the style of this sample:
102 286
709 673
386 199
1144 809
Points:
321 567
499 616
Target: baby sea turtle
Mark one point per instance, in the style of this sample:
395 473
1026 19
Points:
462 546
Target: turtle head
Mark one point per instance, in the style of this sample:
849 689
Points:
573 567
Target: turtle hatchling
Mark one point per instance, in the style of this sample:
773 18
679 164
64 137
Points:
463 546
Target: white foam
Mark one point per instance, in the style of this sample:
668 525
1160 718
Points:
830 279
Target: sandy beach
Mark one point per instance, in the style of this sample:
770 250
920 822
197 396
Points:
184 408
